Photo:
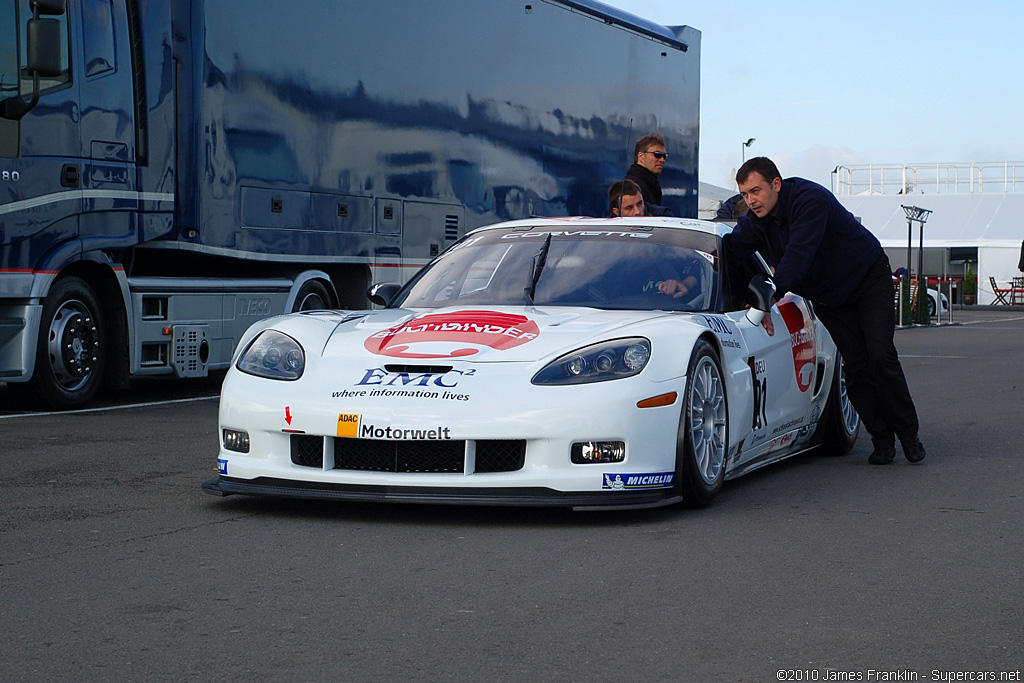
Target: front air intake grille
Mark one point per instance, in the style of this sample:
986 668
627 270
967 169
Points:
500 456
307 451
376 455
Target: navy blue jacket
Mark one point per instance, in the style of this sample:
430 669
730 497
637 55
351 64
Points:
819 250
648 182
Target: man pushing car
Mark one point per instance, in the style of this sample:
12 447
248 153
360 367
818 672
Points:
819 250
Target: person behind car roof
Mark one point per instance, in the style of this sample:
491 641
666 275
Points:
649 157
625 199
822 252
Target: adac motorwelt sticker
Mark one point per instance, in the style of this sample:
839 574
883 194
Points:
453 335
801 339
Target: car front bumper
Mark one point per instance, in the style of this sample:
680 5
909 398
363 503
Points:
512 497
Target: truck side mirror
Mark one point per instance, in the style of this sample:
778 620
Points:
51 7
43 55
44 48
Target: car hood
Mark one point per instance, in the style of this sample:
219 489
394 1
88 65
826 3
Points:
476 334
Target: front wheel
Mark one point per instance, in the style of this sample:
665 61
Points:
312 296
70 355
842 423
703 439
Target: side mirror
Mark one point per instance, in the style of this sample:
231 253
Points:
44 40
383 292
43 37
762 289
53 7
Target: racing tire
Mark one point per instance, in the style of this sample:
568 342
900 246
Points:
702 443
842 423
312 296
70 353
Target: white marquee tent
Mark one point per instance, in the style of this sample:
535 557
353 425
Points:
994 223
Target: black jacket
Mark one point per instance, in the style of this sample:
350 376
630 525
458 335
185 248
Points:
648 182
819 249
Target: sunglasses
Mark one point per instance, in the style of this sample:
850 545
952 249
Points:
658 155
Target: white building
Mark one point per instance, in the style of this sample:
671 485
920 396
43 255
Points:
973 207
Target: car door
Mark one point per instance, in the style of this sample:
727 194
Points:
782 370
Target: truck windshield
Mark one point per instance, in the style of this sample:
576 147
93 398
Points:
8 75
647 269
8 50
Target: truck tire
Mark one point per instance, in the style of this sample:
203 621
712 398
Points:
312 296
70 355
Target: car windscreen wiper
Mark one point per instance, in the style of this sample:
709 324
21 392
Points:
539 259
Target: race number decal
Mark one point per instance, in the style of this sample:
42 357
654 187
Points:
760 380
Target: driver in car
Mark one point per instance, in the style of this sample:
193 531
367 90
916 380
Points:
688 282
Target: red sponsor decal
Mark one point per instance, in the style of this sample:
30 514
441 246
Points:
801 339
453 335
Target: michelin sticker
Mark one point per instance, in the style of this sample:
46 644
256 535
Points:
633 482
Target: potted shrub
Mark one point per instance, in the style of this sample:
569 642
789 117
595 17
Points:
970 287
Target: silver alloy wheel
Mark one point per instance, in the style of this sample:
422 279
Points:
708 420
851 419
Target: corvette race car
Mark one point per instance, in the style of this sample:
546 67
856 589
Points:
579 362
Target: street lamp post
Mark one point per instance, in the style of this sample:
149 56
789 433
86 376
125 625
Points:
743 147
918 215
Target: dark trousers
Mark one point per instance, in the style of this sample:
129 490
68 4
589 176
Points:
863 330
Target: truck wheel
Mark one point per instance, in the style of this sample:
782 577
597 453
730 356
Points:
70 356
312 296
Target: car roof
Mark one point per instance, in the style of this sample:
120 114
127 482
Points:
586 222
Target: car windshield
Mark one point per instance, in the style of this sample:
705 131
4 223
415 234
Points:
634 269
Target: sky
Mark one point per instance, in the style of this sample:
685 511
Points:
820 84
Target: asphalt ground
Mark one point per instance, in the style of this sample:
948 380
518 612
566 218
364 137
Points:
115 566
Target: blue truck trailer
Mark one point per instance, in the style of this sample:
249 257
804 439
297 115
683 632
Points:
173 170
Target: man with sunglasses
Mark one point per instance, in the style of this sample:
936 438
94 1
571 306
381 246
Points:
648 162
819 250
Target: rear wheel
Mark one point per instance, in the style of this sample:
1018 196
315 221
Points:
703 438
842 423
70 355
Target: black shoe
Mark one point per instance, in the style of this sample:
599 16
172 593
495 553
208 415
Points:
883 454
913 449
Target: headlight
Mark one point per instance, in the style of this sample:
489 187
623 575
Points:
598 363
273 355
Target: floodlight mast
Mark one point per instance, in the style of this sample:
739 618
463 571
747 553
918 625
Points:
743 148
916 213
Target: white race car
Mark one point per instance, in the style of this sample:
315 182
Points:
580 362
